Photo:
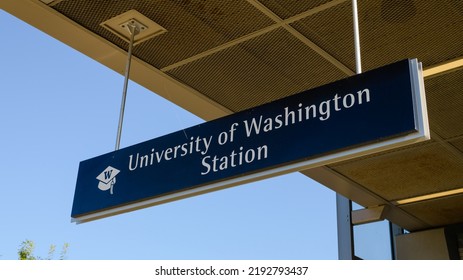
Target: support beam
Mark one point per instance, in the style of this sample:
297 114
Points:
369 215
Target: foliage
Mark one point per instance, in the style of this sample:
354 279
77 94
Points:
26 251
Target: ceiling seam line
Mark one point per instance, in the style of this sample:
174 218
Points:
306 41
363 189
449 147
313 11
377 197
316 48
222 47
269 13
53 3
453 138
391 204
278 23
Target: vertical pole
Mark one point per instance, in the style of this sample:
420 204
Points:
133 30
358 60
346 249
345 230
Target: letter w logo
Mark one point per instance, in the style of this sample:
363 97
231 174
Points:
107 174
107 179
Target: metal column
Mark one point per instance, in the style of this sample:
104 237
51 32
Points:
345 229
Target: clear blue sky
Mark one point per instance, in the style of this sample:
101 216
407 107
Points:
59 107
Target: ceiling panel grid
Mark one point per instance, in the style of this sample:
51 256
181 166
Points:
243 53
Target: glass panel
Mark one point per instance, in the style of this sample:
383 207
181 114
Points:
355 206
372 241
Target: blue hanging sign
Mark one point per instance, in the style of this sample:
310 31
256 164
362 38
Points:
370 112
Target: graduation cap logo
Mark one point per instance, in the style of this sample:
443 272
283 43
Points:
107 179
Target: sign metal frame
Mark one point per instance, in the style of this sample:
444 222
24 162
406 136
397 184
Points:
420 133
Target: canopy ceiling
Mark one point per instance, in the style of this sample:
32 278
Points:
219 57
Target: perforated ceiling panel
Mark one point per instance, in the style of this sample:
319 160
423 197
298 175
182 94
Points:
458 143
445 96
237 54
258 71
416 171
277 63
288 8
438 212
425 168
192 26
428 30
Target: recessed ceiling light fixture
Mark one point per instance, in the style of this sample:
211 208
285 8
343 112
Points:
428 196
444 67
